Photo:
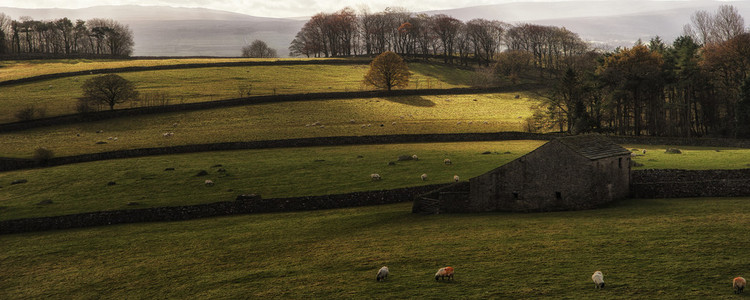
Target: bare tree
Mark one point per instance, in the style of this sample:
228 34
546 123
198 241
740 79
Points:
108 89
258 49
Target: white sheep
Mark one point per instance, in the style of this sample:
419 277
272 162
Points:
375 176
352 121
424 177
167 134
443 273
174 124
393 123
109 138
738 284
455 178
598 279
414 157
382 273
458 123
114 138
209 182
447 161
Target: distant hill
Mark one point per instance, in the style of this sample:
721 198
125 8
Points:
170 31
613 23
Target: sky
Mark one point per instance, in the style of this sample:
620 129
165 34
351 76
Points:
268 8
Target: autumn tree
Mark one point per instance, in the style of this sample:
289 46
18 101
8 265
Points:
633 77
388 70
108 89
258 49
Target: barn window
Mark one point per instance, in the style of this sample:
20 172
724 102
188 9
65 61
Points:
558 195
619 162
515 195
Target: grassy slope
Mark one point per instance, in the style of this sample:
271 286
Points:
428 114
58 96
694 158
647 249
270 173
27 68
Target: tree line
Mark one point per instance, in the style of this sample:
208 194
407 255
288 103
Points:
63 37
696 86
347 33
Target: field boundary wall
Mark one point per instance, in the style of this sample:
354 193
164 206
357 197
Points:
243 204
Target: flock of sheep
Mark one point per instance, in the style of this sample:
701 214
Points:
376 176
443 273
738 284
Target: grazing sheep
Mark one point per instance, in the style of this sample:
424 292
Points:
485 122
738 284
598 279
316 123
114 138
458 123
414 157
375 176
447 161
393 123
382 274
352 121
455 178
109 138
644 151
424 177
209 182
444 273
174 124
167 134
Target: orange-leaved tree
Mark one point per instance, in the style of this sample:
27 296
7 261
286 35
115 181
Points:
387 71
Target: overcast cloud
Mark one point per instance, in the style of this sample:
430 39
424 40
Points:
264 8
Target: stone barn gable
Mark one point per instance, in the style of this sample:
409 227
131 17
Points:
569 173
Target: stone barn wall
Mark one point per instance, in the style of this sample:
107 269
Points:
551 178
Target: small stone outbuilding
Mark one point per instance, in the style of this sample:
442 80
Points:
569 173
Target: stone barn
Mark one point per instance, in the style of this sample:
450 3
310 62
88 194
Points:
569 173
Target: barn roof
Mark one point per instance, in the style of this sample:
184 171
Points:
593 146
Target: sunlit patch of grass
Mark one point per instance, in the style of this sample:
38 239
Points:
397 115
694 158
58 96
11 69
271 173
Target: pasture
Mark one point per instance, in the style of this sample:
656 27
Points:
271 173
417 114
274 173
647 249
12 69
58 96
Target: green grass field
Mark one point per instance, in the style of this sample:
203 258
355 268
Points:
647 249
58 96
418 114
12 69
274 173
271 173
692 158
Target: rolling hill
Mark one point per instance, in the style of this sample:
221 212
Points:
171 31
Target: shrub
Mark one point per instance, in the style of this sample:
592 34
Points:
42 155
26 113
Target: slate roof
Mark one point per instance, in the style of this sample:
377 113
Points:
593 146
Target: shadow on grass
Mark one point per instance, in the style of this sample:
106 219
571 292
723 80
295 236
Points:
412 100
